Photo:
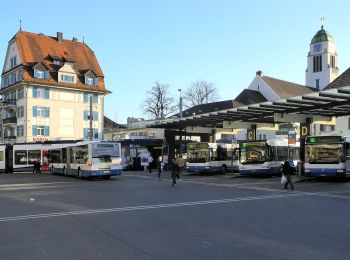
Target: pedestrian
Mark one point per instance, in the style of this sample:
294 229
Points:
150 161
38 164
173 167
288 170
159 165
34 166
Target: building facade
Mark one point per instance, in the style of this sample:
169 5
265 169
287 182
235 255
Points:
47 84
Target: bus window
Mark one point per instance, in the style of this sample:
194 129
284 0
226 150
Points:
21 157
1 155
80 154
33 155
56 156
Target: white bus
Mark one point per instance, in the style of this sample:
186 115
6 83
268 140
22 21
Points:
265 157
211 157
87 159
327 156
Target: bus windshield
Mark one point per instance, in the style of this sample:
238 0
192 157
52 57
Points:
105 151
255 152
324 153
197 155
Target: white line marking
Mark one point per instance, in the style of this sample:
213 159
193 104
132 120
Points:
157 206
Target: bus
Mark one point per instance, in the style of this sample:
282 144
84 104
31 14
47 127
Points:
327 156
87 159
266 157
211 157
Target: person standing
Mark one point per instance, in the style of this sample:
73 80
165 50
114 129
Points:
150 161
159 166
288 170
35 166
173 168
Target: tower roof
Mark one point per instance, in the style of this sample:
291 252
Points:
322 36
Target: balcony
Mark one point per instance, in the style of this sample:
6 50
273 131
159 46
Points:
9 121
9 104
10 138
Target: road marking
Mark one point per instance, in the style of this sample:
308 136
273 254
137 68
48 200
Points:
31 184
156 206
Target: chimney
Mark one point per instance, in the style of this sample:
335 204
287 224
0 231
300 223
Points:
59 37
74 39
259 73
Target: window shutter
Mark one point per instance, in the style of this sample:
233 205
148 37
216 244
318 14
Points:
47 93
95 116
86 133
47 112
86 97
35 73
95 98
47 131
46 74
95 132
35 111
86 80
96 81
86 114
35 92
35 130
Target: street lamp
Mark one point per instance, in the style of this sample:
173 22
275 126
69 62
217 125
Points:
180 103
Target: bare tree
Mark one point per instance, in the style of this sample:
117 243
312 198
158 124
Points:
158 102
200 92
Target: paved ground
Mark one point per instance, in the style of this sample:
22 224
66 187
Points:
137 216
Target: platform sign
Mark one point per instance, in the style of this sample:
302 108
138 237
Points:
292 138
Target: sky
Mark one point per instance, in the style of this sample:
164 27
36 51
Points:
178 42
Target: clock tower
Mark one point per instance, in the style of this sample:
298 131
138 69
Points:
322 61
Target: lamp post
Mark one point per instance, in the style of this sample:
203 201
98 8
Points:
180 103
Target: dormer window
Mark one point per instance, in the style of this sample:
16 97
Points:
57 62
91 78
40 72
67 78
13 61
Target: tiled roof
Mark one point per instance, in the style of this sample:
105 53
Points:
286 89
341 81
246 97
35 48
108 123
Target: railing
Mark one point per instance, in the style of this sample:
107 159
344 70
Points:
9 104
11 120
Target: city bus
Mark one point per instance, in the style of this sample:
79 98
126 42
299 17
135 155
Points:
87 159
211 157
266 157
327 156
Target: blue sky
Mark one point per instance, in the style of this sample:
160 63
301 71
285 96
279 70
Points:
178 42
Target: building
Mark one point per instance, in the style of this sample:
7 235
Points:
47 84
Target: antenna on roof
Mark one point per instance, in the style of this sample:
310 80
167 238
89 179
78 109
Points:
322 20
20 25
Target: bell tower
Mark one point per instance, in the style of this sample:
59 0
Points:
322 61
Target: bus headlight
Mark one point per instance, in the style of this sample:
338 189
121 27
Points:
207 167
340 171
306 170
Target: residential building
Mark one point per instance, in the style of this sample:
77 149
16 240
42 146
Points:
47 84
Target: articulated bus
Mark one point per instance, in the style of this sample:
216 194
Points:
211 157
265 157
87 159
327 156
21 156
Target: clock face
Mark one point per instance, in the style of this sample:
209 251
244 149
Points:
317 47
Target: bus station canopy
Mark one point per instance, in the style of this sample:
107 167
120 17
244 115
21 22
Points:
319 105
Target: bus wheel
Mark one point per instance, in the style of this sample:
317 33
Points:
224 169
107 177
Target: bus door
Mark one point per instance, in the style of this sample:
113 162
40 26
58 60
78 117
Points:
68 159
347 157
9 158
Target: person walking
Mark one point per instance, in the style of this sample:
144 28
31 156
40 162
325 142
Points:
288 170
150 161
35 166
173 167
159 165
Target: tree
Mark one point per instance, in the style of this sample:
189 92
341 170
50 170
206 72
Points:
200 92
158 102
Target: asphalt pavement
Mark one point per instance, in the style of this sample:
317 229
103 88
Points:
138 216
